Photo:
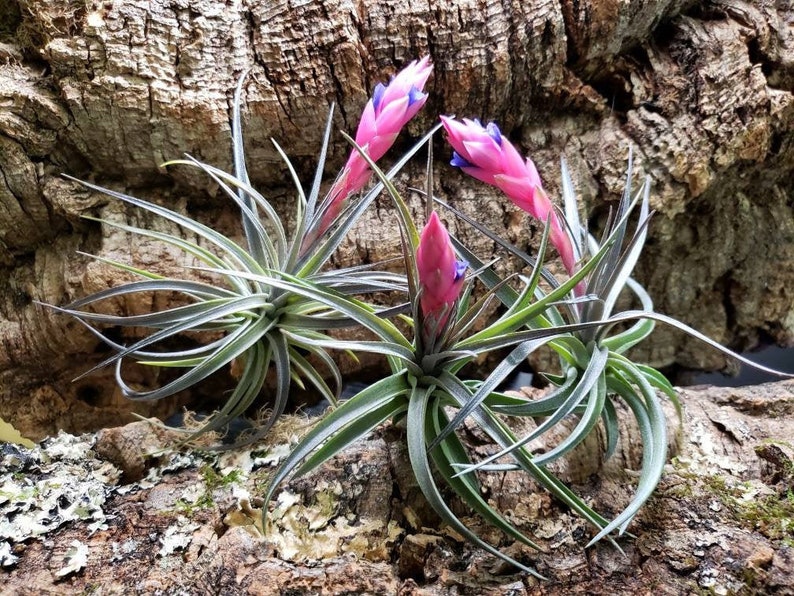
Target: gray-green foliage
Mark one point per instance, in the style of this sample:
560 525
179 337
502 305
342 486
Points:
593 355
270 301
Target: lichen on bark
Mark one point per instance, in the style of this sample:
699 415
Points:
722 519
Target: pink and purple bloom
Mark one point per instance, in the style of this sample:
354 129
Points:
441 275
483 153
389 109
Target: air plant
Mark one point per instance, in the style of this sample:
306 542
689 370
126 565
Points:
270 303
596 369
425 385
263 302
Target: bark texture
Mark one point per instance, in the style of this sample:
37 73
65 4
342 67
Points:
702 92
721 521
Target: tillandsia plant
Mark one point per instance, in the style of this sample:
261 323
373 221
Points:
268 305
265 302
425 385
595 366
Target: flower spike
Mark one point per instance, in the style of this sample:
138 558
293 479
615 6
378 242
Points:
441 275
389 109
483 153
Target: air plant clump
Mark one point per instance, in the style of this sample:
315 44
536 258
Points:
593 354
270 299
426 393
275 301
424 384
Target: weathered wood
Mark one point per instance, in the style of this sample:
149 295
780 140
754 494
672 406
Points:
722 520
108 91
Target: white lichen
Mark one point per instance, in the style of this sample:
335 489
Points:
57 482
7 558
76 558
177 536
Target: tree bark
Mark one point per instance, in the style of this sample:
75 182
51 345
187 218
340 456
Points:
721 521
702 92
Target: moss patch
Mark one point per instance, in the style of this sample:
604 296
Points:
213 479
754 505
773 516
757 507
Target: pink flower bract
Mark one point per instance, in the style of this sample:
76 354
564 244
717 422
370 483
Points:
441 275
389 109
483 153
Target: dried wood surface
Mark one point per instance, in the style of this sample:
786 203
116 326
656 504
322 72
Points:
721 522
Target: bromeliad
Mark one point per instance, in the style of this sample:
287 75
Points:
265 302
425 385
592 345
269 303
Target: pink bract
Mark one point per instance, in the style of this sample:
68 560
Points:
441 275
389 109
483 153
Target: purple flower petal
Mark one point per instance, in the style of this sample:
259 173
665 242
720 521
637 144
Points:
415 95
459 162
377 96
460 269
493 131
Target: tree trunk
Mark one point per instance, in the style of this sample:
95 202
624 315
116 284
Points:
721 521
702 92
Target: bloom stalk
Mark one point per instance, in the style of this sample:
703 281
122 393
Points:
389 109
483 153
441 275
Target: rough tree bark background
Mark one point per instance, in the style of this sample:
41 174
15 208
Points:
107 91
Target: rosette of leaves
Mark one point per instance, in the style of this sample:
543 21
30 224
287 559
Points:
266 304
425 386
596 368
